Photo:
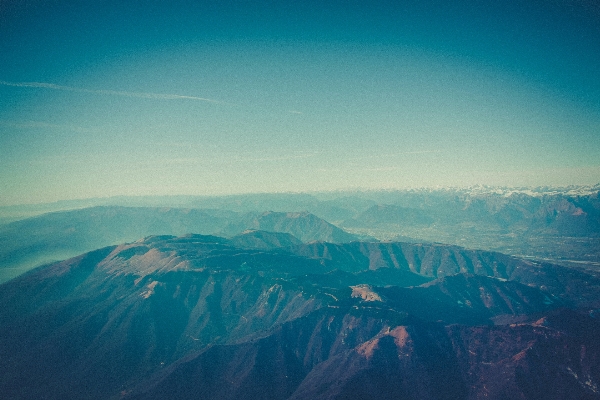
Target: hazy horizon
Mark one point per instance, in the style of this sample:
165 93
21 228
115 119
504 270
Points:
102 99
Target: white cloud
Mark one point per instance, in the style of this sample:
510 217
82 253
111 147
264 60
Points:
141 95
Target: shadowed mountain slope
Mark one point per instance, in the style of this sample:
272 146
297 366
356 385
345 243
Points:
431 260
573 285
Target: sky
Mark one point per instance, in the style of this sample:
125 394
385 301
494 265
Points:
103 97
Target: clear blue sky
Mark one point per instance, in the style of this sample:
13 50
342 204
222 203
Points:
101 98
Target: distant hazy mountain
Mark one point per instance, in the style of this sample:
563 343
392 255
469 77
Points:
559 224
332 206
303 225
518 213
55 236
390 214
199 317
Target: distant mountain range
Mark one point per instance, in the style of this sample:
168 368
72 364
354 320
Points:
561 225
54 236
264 316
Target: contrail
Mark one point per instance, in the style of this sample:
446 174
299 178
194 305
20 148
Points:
141 95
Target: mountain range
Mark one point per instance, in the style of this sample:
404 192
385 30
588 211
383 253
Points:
560 225
262 315
424 294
